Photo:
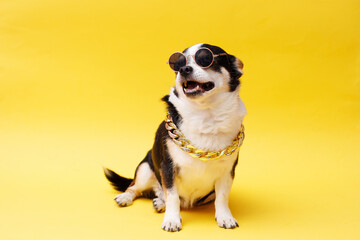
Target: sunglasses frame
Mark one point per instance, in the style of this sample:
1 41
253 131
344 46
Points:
193 56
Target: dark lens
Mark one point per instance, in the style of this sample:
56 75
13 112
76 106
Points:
203 57
176 61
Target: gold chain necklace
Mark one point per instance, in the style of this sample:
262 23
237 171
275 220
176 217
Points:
180 140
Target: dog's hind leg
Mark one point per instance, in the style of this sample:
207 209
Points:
142 185
144 182
159 200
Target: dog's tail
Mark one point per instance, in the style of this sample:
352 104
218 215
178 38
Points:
119 183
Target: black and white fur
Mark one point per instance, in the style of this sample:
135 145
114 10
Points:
209 113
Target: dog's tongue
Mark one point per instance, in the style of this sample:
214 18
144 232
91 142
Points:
191 85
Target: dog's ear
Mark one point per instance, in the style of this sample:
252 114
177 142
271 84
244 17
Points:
236 66
236 71
239 63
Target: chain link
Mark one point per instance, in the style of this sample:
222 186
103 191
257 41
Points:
179 139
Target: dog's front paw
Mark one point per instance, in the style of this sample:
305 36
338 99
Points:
227 222
159 205
124 199
172 224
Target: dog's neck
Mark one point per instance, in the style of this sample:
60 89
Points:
211 123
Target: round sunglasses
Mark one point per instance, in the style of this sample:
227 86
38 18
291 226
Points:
203 57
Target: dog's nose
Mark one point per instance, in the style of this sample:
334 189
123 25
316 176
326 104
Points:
186 70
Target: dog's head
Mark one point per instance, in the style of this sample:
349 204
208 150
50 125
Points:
201 73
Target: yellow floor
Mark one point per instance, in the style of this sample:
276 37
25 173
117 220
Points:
80 83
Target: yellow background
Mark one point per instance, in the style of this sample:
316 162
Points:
80 83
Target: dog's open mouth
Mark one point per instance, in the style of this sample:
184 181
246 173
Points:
192 88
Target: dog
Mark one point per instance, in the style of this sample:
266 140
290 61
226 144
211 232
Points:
193 159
